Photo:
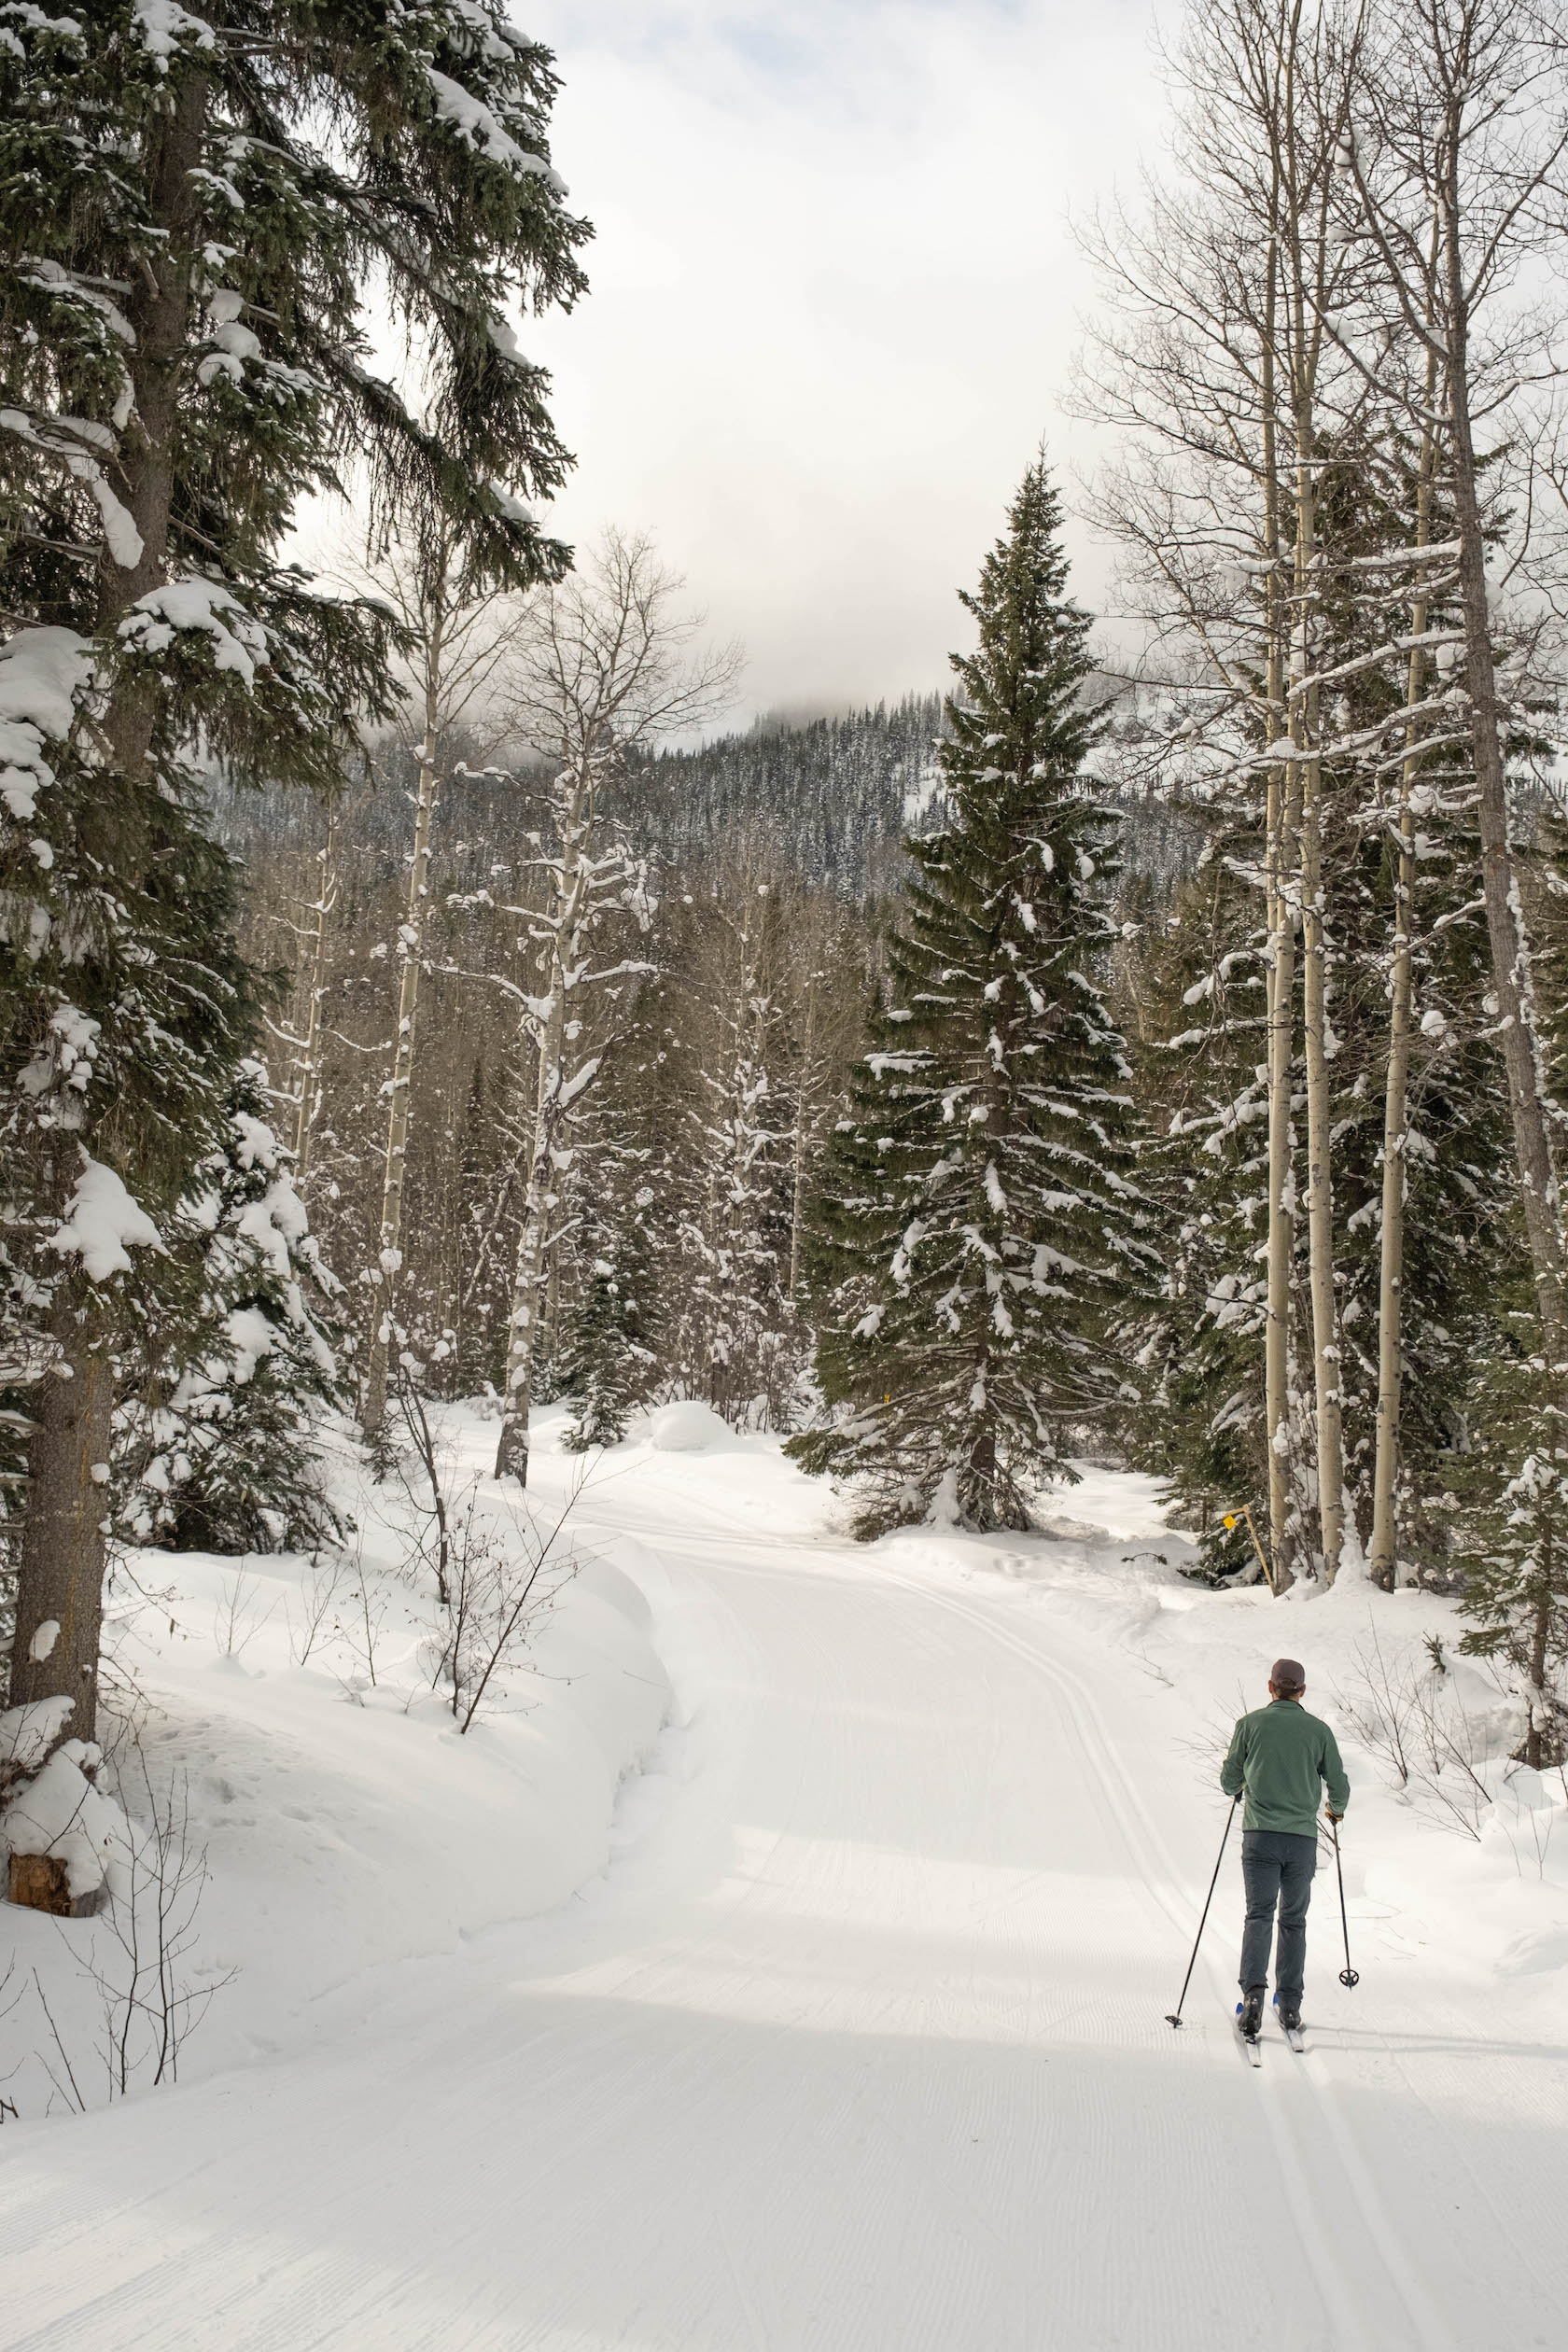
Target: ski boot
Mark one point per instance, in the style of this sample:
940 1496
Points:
1249 2016
1289 2015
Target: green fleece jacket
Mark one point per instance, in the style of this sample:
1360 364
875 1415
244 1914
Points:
1283 1757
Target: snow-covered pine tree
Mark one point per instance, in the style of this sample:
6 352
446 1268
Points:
214 1448
1197 1035
193 206
604 1360
1512 1483
979 1228
1511 1476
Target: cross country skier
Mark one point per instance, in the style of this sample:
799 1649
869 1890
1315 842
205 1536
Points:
1283 1757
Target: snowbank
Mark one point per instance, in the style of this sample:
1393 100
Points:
64 1814
688 1426
349 1828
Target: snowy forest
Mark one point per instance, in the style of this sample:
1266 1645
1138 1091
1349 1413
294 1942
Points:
448 1043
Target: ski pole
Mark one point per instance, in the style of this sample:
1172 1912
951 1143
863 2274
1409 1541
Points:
1348 1976
1173 2017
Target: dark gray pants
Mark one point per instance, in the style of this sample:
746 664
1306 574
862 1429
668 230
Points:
1277 1870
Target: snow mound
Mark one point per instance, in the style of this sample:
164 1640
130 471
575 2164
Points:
62 1813
688 1426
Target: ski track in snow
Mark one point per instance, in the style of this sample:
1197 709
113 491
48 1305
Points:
860 2047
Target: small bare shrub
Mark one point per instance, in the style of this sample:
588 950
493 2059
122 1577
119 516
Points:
235 1624
419 1474
506 1569
319 1590
1413 1718
137 1957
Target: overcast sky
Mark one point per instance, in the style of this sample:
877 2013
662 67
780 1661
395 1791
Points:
835 295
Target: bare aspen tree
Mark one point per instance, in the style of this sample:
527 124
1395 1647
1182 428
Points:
605 667
1218 376
456 636
1282 837
1304 135
1460 120
1383 1559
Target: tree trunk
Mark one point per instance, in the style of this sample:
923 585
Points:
512 1450
413 946
1320 1191
1391 1357
567 917
310 1058
60 1569
1282 840
550 1318
1286 817
1504 914
1536 1738
63 1547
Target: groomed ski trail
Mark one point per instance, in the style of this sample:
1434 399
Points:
1376 2301
861 2049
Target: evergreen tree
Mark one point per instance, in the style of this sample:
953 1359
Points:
215 1445
1510 1477
192 206
1198 1046
606 1362
1512 1483
979 1225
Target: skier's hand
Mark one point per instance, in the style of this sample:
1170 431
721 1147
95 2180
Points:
1336 1818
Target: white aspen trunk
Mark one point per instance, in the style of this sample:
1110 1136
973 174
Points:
1286 819
1320 1186
533 1244
511 1449
413 950
309 1064
1391 1269
1528 1104
1282 833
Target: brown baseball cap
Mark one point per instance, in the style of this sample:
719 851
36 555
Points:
1287 1674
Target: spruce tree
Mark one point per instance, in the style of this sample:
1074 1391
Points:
979 1226
234 1359
1512 1483
200 211
605 1363
1196 1041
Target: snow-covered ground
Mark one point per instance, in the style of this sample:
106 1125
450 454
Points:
348 1825
855 2042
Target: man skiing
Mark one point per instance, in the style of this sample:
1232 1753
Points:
1283 1757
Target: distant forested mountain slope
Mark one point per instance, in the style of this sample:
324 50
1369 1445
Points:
831 800
835 796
